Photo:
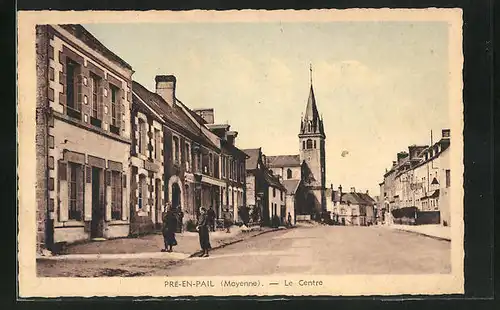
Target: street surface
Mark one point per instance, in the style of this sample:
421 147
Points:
335 250
325 250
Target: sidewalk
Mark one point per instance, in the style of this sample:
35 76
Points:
433 231
149 246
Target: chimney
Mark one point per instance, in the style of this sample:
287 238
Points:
340 194
445 133
367 192
331 186
401 156
353 189
231 136
165 87
206 114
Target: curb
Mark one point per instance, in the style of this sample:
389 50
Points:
235 241
426 235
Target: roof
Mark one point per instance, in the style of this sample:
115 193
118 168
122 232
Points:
233 149
253 158
312 115
283 161
86 37
291 185
311 108
273 181
174 114
356 198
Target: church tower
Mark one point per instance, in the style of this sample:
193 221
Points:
312 154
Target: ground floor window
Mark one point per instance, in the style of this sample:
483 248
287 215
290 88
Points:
76 188
142 186
116 195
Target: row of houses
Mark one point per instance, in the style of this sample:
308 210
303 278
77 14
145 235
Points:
352 208
112 155
419 179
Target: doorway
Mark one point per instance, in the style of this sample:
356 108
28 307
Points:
96 226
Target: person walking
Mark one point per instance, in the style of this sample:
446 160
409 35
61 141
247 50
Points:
289 219
169 228
203 232
211 218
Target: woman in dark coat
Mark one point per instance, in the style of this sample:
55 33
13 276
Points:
203 232
169 229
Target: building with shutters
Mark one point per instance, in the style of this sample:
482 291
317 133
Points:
420 179
265 194
200 164
83 137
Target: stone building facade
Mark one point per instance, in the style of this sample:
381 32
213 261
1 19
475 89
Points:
83 136
201 166
420 178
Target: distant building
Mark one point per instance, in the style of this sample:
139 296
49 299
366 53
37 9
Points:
305 173
420 178
352 208
266 195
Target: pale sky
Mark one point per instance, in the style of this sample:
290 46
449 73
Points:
380 86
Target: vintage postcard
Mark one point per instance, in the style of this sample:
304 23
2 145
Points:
249 153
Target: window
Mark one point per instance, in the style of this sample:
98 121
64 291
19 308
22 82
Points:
274 192
223 159
157 144
210 164
75 184
175 149
73 108
142 186
281 195
303 145
309 144
448 179
314 143
115 111
289 173
142 137
116 195
188 157
94 116
243 172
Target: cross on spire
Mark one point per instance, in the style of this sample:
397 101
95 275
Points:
311 72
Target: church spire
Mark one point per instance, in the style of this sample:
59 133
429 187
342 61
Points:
311 121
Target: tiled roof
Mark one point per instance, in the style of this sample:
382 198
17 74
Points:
354 198
253 158
291 185
173 114
273 181
283 161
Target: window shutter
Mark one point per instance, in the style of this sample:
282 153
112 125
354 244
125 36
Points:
79 90
87 203
107 103
80 185
124 181
119 109
88 174
100 99
108 177
63 191
85 91
62 171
